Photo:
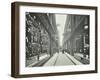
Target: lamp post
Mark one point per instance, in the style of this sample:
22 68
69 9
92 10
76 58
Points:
40 42
84 37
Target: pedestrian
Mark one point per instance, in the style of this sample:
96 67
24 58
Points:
63 51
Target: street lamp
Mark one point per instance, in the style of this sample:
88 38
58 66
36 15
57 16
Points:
86 27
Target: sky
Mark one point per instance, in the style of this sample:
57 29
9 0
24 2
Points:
60 21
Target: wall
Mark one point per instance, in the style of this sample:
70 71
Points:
5 40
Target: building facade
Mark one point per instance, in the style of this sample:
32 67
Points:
41 34
76 34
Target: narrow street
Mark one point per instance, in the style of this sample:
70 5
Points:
60 59
63 60
57 39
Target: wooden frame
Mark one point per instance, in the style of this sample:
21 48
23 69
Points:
15 39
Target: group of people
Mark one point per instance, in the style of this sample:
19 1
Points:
64 51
